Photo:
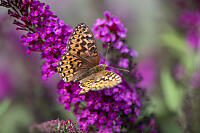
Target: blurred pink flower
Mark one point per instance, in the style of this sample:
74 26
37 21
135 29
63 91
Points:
195 79
179 71
189 19
147 68
5 84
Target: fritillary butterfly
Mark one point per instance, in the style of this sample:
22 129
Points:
81 62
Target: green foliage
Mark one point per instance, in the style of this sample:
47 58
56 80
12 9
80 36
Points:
169 124
18 117
180 48
4 106
172 92
173 41
157 106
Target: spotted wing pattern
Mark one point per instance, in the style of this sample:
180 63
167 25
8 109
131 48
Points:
81 55
82 44
99 80
68 66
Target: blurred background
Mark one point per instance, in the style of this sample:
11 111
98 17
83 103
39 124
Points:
164 32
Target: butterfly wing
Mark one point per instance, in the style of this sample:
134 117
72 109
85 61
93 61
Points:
100 80
82 45
68 67
81 55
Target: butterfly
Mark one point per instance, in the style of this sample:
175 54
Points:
80 62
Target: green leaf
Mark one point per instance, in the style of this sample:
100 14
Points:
169 124
16 119
4 106
173 41
177 43
172 93
157 106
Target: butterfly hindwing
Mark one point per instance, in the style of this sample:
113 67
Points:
99 80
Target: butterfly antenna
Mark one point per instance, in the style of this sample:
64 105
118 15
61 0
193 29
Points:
107 50
119 69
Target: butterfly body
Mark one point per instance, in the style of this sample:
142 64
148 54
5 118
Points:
81 62
93 70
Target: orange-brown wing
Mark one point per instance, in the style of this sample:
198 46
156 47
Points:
100 80
69 67
82 44
81 55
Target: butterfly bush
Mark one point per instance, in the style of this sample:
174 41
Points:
111 30
46 33
108 110
57 125
102 108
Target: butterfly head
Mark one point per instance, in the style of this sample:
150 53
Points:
103 66
100 67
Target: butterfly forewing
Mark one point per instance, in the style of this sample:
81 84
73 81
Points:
82 44
81 55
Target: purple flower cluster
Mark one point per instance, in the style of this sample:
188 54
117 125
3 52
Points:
190 20
123 62
108 109
56 126
110 29
46 33
102 108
